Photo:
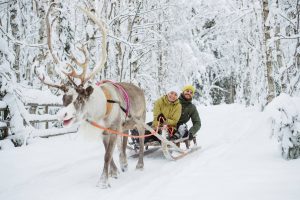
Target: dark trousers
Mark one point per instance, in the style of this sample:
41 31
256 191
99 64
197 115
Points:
147 139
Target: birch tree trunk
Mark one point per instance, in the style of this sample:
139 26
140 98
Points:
115 8
297 49
103 10
278 51
91 37
297 54
41 13
161 69
268 56
134 39
162 54
15 32
277 34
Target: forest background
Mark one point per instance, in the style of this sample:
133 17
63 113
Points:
233 51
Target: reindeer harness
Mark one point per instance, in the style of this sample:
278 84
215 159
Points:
122 91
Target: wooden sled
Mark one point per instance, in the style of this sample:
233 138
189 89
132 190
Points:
171 149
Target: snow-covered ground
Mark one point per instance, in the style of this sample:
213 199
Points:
238 161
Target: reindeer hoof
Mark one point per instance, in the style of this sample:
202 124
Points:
140 166
125 168
114 175
103 185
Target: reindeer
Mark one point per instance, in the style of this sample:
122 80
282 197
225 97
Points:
115 106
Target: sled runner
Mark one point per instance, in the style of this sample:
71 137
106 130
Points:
171 149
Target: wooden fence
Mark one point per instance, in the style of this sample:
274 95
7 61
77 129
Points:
39 117
4 122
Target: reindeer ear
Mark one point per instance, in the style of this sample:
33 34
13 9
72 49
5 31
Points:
89 90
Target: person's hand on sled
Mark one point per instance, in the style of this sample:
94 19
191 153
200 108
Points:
161 118
191 136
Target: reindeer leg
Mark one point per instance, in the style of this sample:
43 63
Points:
110 142
103 181
122 155
140 164
113 169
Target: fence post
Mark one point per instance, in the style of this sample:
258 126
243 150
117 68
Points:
5 132
46 111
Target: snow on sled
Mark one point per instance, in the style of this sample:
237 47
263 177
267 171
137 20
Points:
171 149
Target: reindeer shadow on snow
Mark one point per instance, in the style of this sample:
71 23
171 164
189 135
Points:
115 106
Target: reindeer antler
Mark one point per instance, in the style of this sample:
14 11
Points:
83 65
55 59
73 74
62 87
49 42
102 28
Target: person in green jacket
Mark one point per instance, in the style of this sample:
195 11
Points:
189 111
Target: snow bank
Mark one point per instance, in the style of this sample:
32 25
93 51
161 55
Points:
3 104
2 124
6 144
34 96
284 112
237 161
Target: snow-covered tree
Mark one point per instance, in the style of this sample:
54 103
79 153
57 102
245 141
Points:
284 112
232 51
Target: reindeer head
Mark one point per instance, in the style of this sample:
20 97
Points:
74 102
76 97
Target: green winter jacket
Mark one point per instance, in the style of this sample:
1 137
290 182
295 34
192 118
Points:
189 111
171 111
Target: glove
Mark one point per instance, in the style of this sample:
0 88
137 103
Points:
191 136
161 118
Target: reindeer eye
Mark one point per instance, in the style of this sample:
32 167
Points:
67 99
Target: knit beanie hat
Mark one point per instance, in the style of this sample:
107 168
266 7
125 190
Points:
189 87
174 89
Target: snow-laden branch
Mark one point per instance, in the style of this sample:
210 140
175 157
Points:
121 15
219 88
132 12
5 2
18 42
252 46
122 40
221 26
135 45
285 17
150 25
294 37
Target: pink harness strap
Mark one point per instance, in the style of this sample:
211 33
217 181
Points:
121 89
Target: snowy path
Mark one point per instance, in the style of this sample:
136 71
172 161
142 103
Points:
238 161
